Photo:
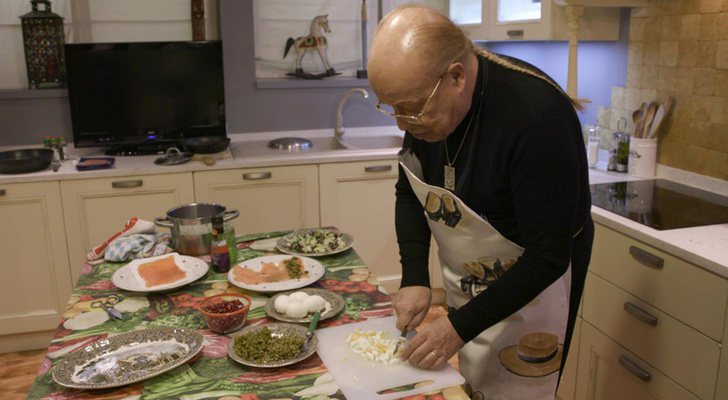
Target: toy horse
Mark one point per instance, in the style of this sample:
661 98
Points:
314 41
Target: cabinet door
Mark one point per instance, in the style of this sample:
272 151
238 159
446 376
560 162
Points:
95 209
35 280
269 199
358 198
567 384
520 19
607 372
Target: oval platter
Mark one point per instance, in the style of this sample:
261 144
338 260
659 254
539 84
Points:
126 278
314 268
335 305
127 358
277 328
284 244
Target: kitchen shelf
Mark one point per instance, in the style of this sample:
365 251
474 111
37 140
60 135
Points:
294 83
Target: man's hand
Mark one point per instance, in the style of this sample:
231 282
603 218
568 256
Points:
433 345
411 305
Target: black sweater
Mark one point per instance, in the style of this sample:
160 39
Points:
522 168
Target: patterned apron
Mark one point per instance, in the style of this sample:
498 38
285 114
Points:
473 254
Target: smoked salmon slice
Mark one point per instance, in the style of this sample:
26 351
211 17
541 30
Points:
161 272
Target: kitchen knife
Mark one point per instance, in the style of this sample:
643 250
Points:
400 341
311 328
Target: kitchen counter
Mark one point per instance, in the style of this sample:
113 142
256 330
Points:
706 246
246 151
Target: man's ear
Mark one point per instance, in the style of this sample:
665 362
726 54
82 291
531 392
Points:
457 72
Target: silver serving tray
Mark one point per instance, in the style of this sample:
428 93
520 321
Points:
127 358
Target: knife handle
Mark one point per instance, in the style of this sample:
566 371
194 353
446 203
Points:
314 321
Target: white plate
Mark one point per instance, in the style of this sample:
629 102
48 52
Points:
315 272
284 243
127 278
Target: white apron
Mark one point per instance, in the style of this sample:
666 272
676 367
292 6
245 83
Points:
470 248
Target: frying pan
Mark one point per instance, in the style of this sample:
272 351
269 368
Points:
25 160
206 144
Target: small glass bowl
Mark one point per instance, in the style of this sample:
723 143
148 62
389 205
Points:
219 318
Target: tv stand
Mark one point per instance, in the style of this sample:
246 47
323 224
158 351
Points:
145 149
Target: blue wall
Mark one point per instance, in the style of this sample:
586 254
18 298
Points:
601 65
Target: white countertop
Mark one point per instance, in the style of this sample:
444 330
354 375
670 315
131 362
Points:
249 150
705 246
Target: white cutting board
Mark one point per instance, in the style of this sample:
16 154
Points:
362 379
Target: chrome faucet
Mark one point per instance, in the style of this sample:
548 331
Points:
339 129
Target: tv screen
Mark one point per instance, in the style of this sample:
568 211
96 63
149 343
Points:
141 98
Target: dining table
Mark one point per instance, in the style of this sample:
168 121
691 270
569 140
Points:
212 373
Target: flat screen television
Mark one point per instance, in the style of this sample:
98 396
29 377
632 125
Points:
142 98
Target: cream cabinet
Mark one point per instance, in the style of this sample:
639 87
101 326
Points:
269 199
504 20
567 384
721 391
608 371
95 209
358 198
35 279
654 324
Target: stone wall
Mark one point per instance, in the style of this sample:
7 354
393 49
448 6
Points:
679 48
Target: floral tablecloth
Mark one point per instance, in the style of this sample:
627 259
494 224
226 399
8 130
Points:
211 374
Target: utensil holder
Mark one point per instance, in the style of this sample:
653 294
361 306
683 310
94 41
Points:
642 157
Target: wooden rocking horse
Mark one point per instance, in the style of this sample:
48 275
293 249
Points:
314 41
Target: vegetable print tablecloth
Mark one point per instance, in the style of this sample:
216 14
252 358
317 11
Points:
211 374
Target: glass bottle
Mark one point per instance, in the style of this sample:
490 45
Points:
219 253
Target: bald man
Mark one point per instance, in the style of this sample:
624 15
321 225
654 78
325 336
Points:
493 167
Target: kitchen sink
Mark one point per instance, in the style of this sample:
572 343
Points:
256 148
371 142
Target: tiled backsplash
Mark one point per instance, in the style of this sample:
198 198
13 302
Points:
679 48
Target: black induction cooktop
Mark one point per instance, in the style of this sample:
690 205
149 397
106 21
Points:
661 204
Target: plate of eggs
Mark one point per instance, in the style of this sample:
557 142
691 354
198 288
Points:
300 305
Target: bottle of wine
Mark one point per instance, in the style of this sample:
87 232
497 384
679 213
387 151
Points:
219 253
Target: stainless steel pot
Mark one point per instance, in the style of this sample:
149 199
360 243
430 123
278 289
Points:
191 225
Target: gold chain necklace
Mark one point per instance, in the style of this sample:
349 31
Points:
448 169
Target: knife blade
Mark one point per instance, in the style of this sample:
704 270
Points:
403 335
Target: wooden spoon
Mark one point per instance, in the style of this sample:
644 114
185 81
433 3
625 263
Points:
656 122
649 116
637 119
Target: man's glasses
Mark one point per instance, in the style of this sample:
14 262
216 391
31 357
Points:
409 119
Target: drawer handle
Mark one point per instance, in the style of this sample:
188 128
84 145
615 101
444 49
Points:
646 257
255 176
514 32
634 369
127 184
2 192
640 314
378 168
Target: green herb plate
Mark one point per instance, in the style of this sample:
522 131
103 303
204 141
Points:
277 328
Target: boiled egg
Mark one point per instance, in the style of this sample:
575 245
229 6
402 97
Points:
296 309
314 303
299 296
281 303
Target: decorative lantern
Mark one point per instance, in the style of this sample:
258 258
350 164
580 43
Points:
43 40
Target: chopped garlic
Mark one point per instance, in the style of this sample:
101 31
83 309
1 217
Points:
374 346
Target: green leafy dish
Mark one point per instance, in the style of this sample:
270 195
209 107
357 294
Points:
127 358
315 242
